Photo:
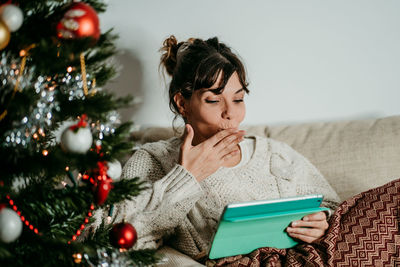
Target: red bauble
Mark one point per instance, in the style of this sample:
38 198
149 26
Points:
78 22
102 189
123 235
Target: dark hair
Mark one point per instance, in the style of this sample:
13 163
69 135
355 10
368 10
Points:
196 64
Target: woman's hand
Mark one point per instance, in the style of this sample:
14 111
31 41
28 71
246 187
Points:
310 228
207 157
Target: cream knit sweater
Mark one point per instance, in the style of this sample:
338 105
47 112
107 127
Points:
185 212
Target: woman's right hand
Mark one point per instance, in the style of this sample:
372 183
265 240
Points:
207 157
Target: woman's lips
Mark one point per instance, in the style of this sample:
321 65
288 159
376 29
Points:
234 128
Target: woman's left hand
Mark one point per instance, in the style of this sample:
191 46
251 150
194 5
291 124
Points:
310 228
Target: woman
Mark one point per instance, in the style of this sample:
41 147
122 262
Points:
214 163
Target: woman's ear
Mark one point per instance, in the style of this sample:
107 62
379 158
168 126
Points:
180 102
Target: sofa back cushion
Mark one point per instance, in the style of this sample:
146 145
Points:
354 156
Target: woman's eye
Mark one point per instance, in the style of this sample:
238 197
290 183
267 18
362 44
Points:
211 101
238 100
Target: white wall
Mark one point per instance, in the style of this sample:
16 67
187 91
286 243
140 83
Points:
308 60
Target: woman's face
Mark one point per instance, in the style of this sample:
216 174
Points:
209 113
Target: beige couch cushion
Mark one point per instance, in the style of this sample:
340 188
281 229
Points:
353 155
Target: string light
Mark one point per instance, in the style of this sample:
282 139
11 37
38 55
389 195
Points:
23 219
110 213
22 53
77 258
45 152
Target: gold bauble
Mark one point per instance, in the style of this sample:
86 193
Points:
4 35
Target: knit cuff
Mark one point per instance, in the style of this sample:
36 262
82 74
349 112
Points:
181 184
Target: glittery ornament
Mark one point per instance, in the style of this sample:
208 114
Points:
10 72
71 84
107 127
35 124
111 258
78 22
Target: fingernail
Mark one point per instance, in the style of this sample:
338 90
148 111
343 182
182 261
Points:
289 229
294 223
305 219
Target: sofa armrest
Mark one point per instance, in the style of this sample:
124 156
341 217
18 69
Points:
173 258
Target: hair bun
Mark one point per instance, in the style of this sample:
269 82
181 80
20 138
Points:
169 51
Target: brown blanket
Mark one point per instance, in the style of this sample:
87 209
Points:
364 231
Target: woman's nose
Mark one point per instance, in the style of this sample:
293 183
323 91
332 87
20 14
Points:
227 112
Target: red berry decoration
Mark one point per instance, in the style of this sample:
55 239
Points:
123 235
78 22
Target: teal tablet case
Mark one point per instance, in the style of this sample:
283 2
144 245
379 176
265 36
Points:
244 227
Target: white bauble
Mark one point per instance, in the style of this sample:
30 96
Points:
12 16
114 170
77 142
10 225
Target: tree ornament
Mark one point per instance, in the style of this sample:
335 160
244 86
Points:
103 185
78 22
114 170
102 189
12 16
10 225
77 138
4 35
123 235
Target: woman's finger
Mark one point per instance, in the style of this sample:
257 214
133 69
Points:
311 232
232 144
216 138
231 154
228 141
311 224
319 216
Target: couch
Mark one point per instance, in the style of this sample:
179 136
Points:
353 155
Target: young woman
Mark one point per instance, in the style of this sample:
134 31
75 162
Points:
191 178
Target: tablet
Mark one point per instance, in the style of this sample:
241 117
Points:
246 226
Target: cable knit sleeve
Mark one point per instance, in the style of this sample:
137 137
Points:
160 208
297 175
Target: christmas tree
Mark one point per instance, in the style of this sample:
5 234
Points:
61 139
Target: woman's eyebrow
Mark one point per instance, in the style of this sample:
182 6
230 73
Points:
240 90
216 89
